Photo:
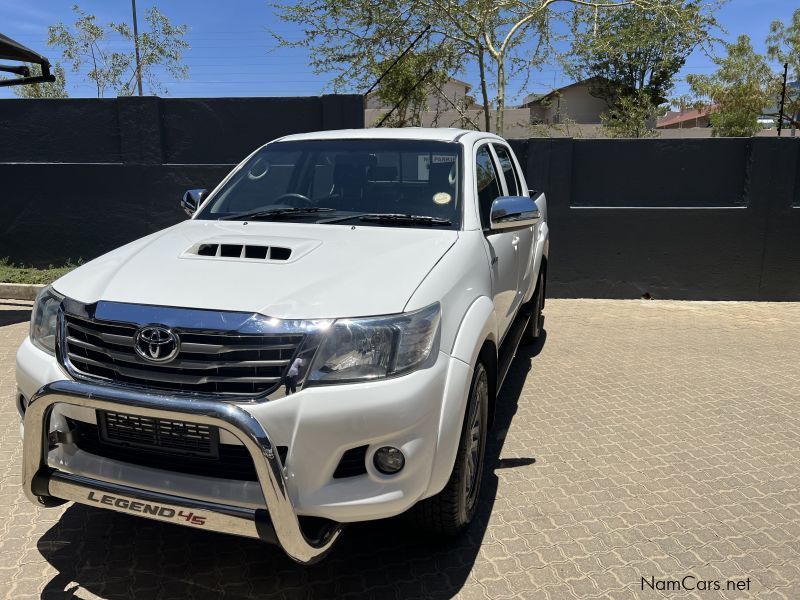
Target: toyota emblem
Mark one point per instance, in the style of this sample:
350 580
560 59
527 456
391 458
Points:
156 343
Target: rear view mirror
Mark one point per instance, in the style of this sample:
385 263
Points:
510 212
192 199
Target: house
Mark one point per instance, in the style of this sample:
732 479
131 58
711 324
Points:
454 90
683 119
571 103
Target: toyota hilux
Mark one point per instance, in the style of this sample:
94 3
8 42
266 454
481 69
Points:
321 343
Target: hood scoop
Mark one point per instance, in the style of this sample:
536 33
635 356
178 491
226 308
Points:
244 251
252 250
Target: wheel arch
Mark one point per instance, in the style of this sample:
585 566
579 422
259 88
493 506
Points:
476 339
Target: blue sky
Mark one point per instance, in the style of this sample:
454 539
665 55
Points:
232 53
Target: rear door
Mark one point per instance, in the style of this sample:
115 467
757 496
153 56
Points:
525 238
501 245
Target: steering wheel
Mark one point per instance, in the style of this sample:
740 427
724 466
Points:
294 200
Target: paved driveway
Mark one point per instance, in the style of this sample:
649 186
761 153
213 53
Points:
641 440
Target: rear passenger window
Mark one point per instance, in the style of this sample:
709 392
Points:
509 172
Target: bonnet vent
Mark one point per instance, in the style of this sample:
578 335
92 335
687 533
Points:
244 251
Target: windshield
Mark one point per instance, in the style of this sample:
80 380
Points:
344 180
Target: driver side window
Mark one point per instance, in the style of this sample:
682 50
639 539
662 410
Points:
488 184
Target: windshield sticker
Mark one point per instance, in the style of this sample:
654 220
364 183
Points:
443 158
442 198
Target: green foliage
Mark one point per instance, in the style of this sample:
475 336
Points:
415 77
633 53
741 88
632 116
85 43
783 45
54 89
350 36
11 273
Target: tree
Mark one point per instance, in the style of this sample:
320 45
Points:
632 116
347 35
413 78
739 91
86 44
50 89
632 54
783 45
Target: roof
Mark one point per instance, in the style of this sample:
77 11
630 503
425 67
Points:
13 50
449 80
673 118
458 81
533 98
441 134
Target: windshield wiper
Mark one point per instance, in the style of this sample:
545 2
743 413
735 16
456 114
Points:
277 212
401 218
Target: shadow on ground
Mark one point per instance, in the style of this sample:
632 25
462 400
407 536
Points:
118 556
10 314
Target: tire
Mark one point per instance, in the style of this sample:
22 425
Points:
534 327
450 512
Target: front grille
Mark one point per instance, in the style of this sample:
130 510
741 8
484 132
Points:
167 435
223 363
231 461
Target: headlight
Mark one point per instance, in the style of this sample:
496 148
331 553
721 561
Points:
44 320
363 349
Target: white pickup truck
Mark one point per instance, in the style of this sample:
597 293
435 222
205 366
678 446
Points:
321 343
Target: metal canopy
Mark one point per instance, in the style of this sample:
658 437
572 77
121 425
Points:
13 50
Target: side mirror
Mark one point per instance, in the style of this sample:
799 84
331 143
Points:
192 199
513 212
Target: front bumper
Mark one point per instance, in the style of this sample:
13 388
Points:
276 523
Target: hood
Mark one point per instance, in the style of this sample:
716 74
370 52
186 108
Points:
283 270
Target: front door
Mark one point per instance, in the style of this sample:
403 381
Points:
526 236
501 245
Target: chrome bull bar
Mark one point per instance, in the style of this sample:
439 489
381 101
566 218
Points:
276 523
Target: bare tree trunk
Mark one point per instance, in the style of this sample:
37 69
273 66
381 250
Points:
97 79
501 92
484 91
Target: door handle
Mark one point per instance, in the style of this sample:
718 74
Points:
515 240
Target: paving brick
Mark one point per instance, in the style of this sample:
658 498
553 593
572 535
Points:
667 443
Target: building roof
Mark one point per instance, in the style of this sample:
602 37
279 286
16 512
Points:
534 98
449 80
682 116
13 50
468 85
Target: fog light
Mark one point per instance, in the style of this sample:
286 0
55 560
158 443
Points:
388 460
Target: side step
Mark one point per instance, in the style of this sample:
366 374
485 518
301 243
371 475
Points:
508 349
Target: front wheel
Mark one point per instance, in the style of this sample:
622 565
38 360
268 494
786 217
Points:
450 511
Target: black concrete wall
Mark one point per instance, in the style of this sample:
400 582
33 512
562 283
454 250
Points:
706 219
79 177
681 218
